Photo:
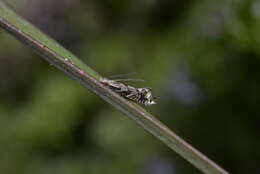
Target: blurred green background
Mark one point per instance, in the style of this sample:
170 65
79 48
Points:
200 57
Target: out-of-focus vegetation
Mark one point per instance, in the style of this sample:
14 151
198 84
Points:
200 57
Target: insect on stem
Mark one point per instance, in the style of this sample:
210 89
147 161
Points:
140 95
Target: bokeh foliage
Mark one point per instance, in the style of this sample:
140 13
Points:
200 57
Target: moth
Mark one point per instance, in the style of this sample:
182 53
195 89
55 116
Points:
140 95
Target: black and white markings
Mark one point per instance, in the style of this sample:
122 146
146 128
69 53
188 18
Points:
140 95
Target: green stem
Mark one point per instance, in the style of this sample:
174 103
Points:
71 65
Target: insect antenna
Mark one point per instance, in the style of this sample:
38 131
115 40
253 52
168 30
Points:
125 80
122 75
